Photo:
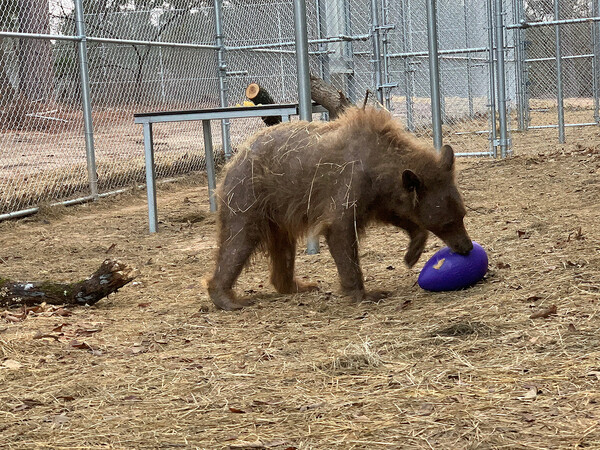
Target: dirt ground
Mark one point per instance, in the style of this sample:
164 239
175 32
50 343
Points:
162 368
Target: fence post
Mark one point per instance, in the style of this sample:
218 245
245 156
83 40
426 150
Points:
88 125
408 70
375 38
304 99
385 50
323 47
559 84
349 52
434 74
222 67
501 80
521 87
469 87
595 58
492 105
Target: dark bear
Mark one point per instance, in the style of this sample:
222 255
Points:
331 178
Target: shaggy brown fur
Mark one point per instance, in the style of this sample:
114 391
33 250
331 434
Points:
333 179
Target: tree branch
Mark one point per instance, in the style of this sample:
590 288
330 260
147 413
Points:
111 276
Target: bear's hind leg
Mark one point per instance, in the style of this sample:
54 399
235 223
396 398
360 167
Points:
282 250
234 251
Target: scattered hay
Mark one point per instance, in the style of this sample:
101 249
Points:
463 329
158 367
356 358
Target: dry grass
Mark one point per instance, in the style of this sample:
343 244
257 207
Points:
460 370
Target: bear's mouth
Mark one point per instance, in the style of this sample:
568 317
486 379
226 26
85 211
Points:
462 248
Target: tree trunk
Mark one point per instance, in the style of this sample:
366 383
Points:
35 55
111 276
328 97
7 92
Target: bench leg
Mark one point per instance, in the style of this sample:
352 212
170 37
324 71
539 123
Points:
150 177
210 164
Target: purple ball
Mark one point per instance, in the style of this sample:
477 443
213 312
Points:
449 271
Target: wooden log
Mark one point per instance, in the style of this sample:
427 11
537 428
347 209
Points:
260 96
111 276
321 92
330 98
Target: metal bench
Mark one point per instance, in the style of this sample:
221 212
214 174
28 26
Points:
205 115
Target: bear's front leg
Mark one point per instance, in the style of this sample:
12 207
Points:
343 245
418 239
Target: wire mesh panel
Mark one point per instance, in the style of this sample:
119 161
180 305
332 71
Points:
42 145
128 78
42 152
146 55
463 61
579 62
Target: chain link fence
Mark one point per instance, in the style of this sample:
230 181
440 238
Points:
569 93
148 55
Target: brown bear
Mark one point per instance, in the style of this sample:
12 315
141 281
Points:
331 178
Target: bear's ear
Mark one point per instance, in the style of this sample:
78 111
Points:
447 157
410 180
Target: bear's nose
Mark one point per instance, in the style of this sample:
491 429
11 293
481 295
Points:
465 247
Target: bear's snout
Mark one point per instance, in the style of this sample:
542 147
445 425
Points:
464 247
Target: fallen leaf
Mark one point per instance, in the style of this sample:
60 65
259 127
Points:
405 304
40 335
132 398
311 406
144 305
11 364
13 317
544 313
531 394
236 410
360 418
66 398
274 444
502 265
88 332
60 419
26 404
61 312
59 328
80 345
426 409
138 349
